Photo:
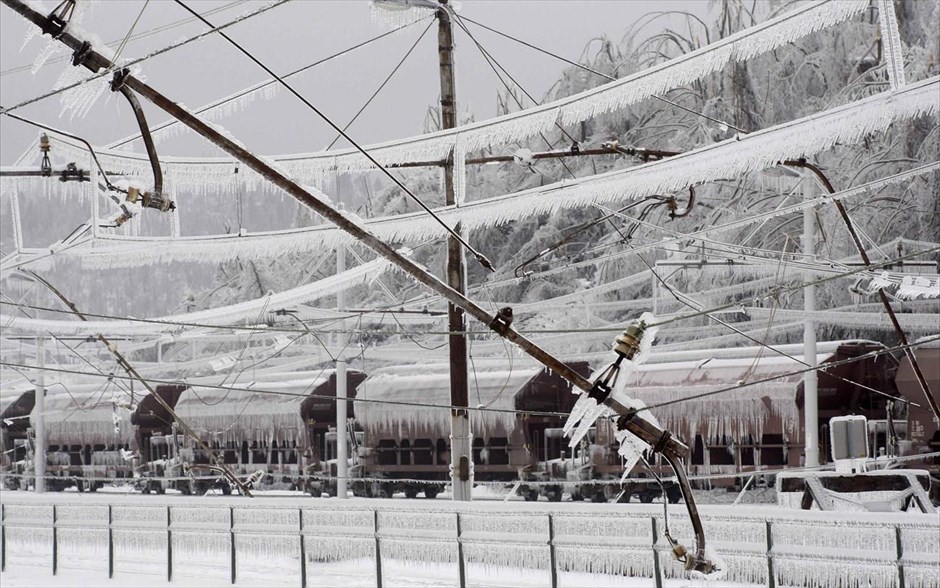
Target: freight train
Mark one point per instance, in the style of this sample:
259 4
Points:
285 435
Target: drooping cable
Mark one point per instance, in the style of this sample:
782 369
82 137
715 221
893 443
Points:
110 70
603 75
481 259
137 37
256 87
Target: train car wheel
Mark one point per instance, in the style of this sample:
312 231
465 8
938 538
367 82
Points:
599 496
554 495
145 489
431 492
411 492
647 497
530 495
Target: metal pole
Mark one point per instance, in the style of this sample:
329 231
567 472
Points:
771 575
810 380
39 422
461 438
342 461
552 559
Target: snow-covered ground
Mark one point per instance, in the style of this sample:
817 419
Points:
502 543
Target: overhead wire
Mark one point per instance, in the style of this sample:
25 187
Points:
259 86
823 367
663 321
603 75
491 61
382 85
110 70
482 259
137 37
120 49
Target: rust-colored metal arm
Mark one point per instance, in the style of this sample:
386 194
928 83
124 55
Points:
908 350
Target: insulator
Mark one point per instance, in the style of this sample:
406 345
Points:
628 343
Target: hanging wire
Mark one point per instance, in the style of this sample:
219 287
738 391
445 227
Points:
491 61
110 70
137 37
381 86
481 259
603 75
120 49
256 87
827 366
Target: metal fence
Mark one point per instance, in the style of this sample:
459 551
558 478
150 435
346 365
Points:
308 543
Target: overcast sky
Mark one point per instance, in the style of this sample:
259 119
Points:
298 33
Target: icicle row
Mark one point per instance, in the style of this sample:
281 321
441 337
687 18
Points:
804 137
572 110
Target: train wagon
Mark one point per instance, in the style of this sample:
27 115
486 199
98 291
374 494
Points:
278 429
755 427
406 447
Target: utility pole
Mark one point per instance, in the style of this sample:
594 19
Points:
810 379
39 423
461 438
342 461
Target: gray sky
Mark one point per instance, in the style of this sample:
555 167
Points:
299 33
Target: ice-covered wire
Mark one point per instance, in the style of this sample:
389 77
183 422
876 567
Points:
482 259
137 37
108 71
493 63
382 85
684 299
593 71
265 84
821 367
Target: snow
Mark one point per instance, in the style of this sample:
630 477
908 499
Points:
503 543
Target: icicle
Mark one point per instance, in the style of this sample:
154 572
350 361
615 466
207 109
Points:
398 13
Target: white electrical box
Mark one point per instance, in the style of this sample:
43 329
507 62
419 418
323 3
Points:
848 436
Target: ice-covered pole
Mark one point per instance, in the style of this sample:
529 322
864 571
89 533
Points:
342 460
810 379
672 449
461 437
39 420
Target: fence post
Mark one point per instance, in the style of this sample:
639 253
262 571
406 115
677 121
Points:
460 565
551 551
55 543
900 549
110 544
231 538
657 571
771 577
378 551
303 550
169 547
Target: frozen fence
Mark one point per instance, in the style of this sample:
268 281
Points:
288 541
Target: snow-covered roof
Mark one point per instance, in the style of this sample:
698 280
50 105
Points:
86 414
430 385
734 413
271 414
